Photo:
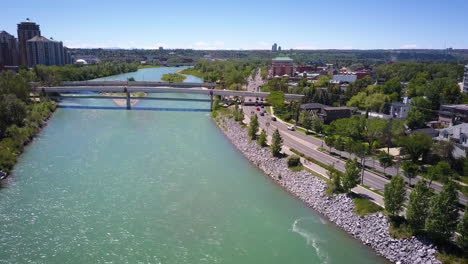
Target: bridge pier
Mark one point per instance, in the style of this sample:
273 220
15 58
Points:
211 100
129 103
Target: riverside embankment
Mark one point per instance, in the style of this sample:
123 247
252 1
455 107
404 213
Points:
372 230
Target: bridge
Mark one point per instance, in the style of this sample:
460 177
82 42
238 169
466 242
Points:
128 87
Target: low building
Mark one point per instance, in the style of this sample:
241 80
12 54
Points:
450 115
282 66
343 78
459 135
399 110
327 113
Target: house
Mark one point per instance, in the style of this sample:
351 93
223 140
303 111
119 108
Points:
327 113
450 115
399 110
343 78
459 135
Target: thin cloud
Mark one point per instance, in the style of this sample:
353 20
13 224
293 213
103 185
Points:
408 46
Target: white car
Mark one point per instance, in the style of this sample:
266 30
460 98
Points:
292 128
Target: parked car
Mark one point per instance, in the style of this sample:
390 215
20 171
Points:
263 106
292 128
262 113
273 118
258 108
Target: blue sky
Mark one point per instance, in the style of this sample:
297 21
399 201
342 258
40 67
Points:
241 24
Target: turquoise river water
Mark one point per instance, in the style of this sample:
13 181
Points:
105 185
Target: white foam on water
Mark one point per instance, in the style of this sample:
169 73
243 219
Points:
310 238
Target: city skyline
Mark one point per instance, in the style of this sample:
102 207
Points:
246 25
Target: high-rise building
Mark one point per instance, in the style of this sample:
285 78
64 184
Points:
26 31
465 80
9 55
274 47
44 51
279 48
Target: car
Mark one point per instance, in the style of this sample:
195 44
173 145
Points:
292 128
262 113
273 118
263 106
250 99
258 108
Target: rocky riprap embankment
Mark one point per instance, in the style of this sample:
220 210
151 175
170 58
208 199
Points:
372 230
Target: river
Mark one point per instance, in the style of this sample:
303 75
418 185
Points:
104 185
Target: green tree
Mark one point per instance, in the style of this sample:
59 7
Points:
294 160
253 127
443 214
262 139
385 160
440 172
305 118
394 195
417 145
462 229
350 178
317 124
410 170
418 206
276 144
12 111
415 119
276 98
334 184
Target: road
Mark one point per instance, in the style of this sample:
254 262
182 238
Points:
310 146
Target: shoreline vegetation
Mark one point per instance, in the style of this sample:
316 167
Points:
123 102
21 118
372 229
173 77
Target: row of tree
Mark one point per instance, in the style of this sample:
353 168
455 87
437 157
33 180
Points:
434 215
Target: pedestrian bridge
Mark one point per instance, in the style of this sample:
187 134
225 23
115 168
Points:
128 87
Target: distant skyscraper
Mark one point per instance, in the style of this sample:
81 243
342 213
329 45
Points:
46 52
26 31
465 80
9 54
279 48
274 47
161 48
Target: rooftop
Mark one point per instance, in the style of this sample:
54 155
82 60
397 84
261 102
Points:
283 59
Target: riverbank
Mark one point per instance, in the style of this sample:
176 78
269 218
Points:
372 230
173 77
17 137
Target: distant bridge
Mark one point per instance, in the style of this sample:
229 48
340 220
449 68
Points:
129 87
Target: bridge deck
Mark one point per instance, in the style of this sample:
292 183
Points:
158 89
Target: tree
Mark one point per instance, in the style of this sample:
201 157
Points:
262 139
441 172
360 150
463 231
276 144
415 119
394 195
253 127
350 178
305 118
443 214
238 113
330 141
444 149
418 205
334 185
12 111
317 124
276 98
385 160
410 170
417 145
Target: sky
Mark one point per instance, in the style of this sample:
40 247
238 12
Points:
245 24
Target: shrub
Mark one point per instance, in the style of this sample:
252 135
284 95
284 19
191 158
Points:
294 161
